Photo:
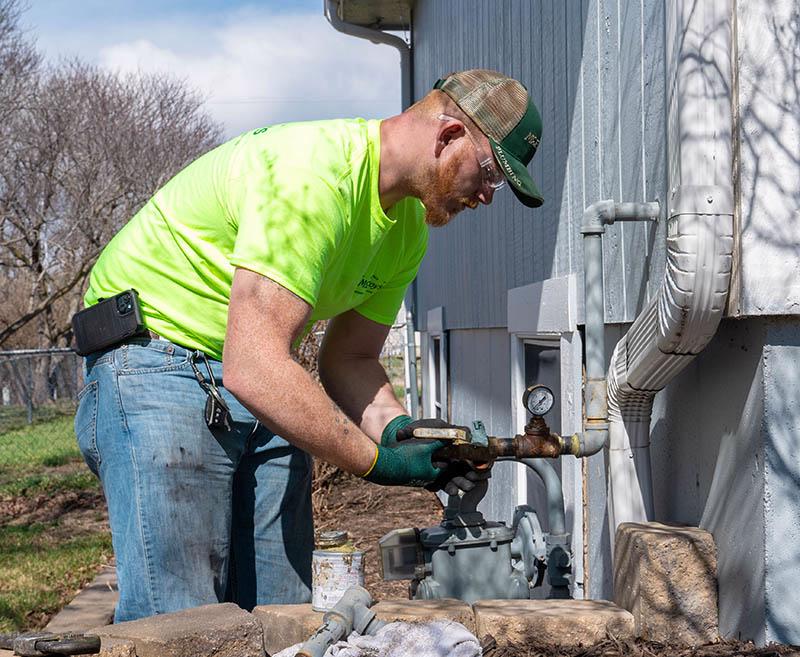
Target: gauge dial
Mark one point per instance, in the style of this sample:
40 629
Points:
538 400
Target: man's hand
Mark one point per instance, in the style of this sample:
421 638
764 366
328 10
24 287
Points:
405 464
451 476
457 476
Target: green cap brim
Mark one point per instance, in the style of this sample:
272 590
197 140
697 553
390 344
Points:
517 175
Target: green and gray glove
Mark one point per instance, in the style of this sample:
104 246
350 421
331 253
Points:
405 464
450 476
402 428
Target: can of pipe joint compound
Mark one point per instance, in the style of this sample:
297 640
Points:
336 565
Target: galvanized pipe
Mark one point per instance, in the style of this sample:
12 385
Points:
595 218
556 517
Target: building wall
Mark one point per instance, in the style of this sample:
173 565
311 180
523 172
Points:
724 431
769 152
596 71
723 454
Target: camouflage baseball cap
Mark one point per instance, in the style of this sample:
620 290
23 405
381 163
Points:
502 109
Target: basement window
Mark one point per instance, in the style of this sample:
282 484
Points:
542 365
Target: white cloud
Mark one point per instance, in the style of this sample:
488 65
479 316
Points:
258 68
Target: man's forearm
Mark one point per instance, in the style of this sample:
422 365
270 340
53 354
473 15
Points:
284 397
361 388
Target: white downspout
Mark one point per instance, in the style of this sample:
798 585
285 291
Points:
375 36
676 325
681 320
331 9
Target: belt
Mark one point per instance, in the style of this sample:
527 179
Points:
152 335
147 333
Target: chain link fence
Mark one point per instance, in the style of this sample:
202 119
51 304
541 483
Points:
36 385
39 385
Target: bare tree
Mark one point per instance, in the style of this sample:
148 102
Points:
19 61
87 150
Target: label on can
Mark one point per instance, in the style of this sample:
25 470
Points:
332 573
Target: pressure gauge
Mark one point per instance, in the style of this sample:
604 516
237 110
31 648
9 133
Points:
538 400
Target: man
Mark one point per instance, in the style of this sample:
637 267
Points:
233 260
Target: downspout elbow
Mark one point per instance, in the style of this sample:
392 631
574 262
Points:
376 37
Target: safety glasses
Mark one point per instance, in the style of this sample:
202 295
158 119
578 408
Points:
491 176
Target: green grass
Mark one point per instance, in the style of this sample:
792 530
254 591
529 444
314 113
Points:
33 449
42 566
40 572
37 484
16 417
394 370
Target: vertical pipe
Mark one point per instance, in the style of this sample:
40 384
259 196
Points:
412 394
331 10
556 517
594 315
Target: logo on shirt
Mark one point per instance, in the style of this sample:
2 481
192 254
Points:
369 285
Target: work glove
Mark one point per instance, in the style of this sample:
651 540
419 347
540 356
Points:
453 476
405 464
457 476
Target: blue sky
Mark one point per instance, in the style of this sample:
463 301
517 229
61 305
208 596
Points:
255 62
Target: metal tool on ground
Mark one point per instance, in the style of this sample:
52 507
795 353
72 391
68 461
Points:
43 644
471 558
351 614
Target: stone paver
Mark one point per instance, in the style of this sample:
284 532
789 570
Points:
422 610
222 630
563 622
285 625
117 648
92 607
667 577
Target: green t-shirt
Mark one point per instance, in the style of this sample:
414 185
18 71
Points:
296 202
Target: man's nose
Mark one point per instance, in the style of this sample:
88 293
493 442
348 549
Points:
486 195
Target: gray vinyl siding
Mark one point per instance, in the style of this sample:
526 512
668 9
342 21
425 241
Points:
480 388
596 71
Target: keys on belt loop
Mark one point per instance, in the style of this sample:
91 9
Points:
216 413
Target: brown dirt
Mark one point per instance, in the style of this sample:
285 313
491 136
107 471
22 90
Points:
77 512
367 512
612 647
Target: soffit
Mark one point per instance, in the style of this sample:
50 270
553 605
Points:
392 15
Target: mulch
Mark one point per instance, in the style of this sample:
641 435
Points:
612 647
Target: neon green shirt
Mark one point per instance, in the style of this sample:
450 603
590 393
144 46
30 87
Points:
296 202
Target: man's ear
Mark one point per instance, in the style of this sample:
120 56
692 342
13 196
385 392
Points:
446 133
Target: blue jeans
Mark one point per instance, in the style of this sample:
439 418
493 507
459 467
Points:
197 517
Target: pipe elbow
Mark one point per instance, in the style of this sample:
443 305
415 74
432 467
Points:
596 216
592 440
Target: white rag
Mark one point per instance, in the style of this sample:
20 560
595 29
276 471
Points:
438 638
